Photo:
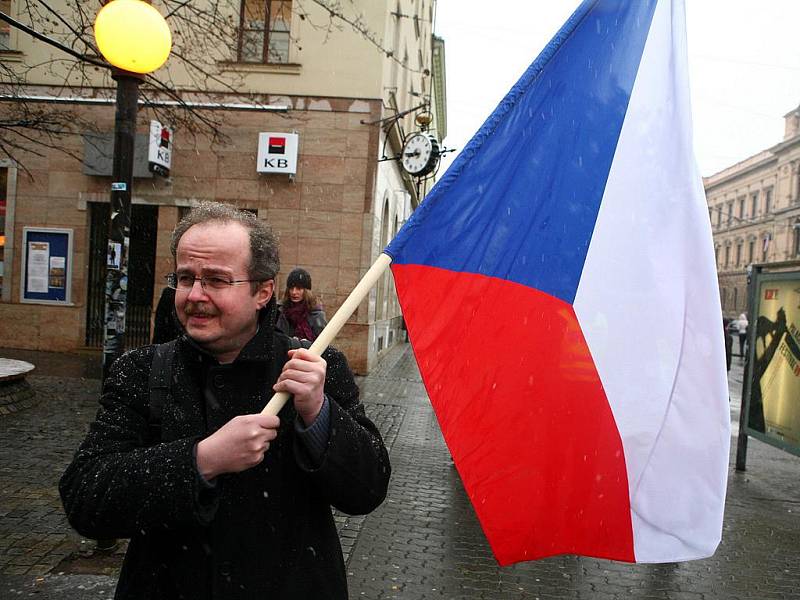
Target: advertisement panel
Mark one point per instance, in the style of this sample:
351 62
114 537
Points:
773 412
46 265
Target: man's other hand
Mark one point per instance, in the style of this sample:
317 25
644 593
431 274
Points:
237 445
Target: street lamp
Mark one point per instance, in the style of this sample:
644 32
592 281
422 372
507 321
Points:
136 40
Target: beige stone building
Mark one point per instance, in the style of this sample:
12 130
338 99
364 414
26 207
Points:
754 208
341 83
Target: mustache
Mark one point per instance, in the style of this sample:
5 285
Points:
197 309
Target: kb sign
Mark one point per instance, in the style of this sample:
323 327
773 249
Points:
277 153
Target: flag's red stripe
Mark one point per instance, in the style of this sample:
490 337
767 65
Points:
523 412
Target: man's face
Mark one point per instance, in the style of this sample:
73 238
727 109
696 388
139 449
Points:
221 321
295 294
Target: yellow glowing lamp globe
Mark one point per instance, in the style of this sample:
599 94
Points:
132 35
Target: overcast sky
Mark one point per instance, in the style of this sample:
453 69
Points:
744 61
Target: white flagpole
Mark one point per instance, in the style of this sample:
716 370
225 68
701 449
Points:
326 336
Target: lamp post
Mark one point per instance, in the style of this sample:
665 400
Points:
135 39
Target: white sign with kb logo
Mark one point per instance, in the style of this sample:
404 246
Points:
277 153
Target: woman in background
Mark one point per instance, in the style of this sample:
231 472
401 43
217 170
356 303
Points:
300 314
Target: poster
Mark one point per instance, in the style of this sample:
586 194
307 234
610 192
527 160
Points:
38 261
114 256
58 274
775 397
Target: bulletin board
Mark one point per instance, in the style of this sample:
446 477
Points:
46 265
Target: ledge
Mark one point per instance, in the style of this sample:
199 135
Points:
278 69
11 55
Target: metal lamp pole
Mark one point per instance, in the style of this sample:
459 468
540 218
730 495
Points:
120 226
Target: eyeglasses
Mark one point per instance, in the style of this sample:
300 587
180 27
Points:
183 282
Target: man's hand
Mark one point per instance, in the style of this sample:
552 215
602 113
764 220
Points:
303 376
237 445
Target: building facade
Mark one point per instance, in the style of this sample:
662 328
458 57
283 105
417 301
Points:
754 207
349 81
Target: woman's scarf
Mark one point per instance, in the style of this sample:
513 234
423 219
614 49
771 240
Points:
297 314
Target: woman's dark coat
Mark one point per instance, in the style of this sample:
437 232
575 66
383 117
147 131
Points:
264 533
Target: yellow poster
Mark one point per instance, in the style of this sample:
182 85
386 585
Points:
775 399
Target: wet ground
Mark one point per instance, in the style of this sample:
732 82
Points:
424 542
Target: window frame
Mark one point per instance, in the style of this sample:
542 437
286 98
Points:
5 28
268 31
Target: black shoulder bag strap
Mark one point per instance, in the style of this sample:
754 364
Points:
160 380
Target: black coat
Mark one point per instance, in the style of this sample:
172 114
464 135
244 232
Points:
264 533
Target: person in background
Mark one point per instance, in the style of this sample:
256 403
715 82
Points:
728 342
300 314
742 324
166 326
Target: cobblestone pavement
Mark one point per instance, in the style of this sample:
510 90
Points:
423 542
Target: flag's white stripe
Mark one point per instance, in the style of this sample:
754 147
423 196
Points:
648 303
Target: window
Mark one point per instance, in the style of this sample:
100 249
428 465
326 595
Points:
735 298
719 216
741 208
716 256
738 254
5 28
264 31
730 213
767 201
765 247
795 238
724 293
754 205
727 255
751 249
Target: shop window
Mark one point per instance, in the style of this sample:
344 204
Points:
264 31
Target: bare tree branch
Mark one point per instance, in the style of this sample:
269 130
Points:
205 38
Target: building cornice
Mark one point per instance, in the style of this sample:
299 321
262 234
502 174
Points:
785 144
740 169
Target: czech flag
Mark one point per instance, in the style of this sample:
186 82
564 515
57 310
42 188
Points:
560 293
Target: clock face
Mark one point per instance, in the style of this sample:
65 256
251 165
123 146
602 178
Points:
420 154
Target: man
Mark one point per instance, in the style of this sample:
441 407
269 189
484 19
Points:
220 501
